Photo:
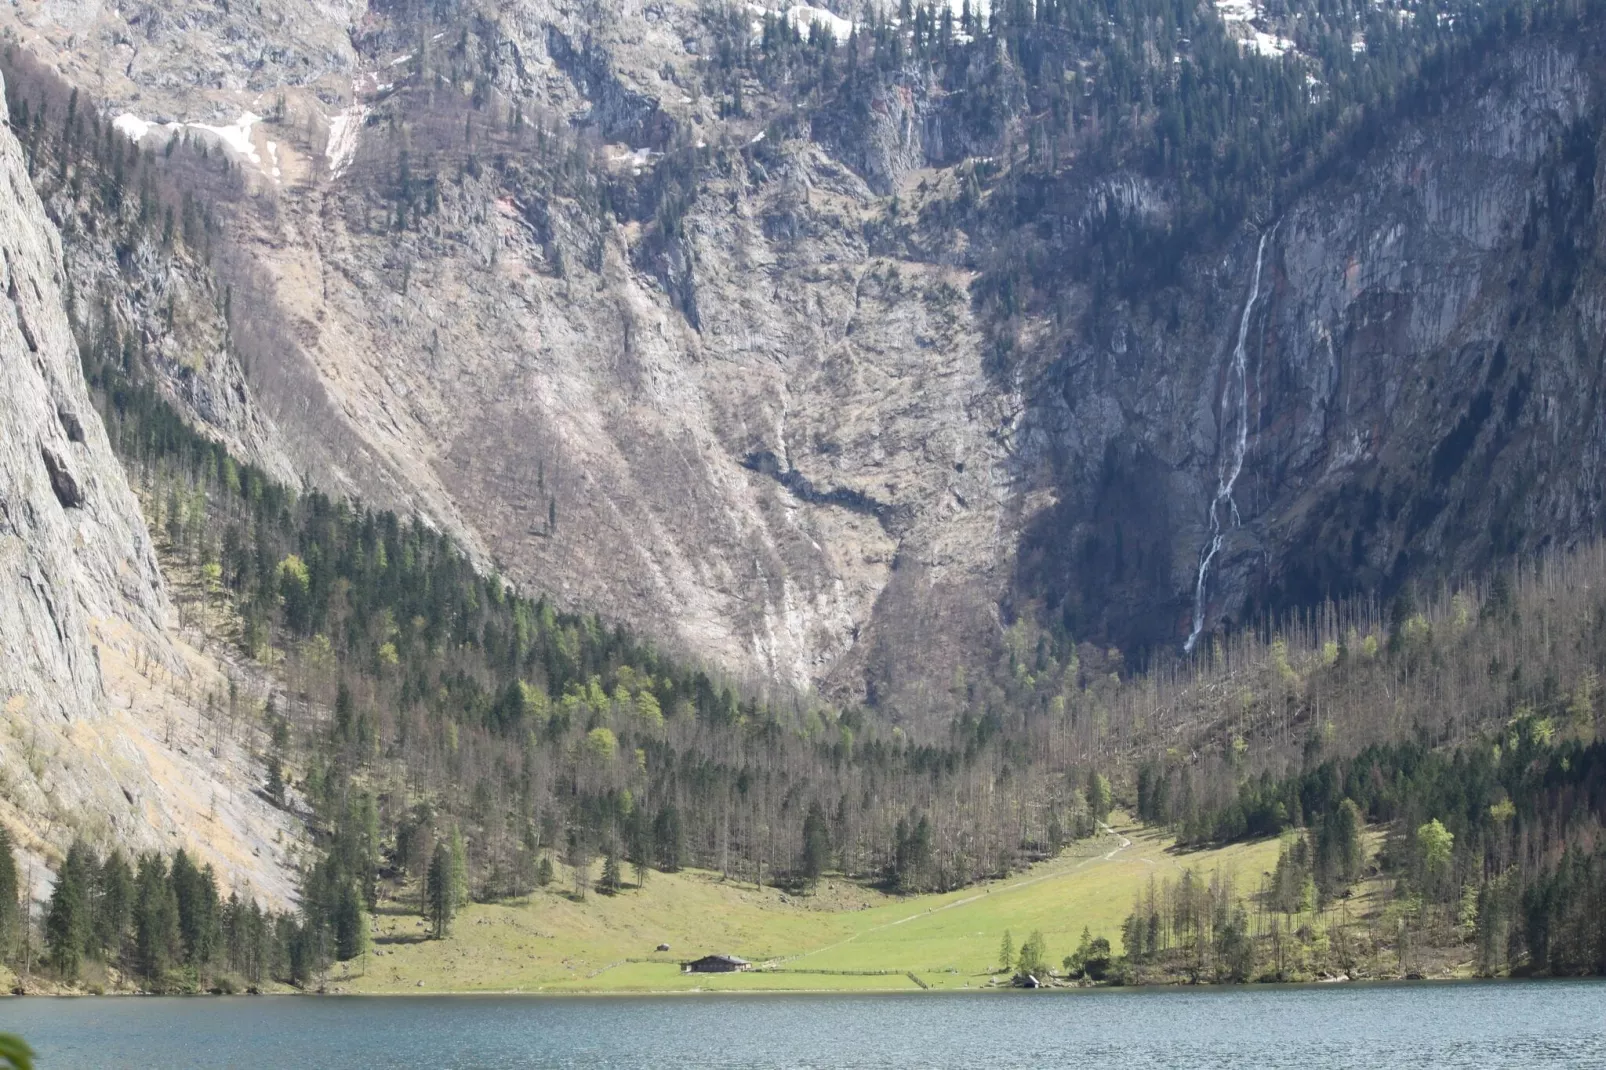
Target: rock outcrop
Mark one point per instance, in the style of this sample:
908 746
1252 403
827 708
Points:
74 544
101 728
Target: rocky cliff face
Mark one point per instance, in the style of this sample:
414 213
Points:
1409 392
76 548
101 718
757 439
731 386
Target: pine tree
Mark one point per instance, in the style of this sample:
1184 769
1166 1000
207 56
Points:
10 910
611 880
666 839
275 785
459 870
195 891
156 933
441 891
816 845
1033 957
67 922
114 906
1006 953
1098 796
350 923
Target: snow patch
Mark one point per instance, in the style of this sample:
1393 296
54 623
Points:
1237 10
801 17
237 136
132 126
1266 44
343 131
636 158
1240 15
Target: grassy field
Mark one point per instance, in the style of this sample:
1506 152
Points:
845 937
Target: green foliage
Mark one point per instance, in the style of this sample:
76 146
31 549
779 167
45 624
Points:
816 845
1435 848
1032 959
441 891
1490 798
10 911
15 1052
1098 796
602 745
1091 959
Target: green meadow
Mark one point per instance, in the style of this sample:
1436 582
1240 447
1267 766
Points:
845 937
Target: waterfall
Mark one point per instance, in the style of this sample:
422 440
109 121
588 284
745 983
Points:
1231 460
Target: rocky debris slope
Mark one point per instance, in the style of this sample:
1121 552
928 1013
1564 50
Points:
94 694
767 441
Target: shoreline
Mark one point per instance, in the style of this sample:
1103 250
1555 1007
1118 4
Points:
1139 989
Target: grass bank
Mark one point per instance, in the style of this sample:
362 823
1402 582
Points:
843 938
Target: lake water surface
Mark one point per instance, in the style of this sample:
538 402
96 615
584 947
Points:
1514 1024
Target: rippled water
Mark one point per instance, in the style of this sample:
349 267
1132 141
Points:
1472 1025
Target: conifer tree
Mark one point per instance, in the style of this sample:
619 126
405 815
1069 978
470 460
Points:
816 845
114 906
157 941
440 893
67 921
10 910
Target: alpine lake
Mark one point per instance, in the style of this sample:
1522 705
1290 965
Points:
1469 1024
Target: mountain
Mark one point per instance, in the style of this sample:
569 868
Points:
825 372
758 439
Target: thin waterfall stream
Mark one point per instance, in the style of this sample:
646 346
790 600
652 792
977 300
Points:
1232 460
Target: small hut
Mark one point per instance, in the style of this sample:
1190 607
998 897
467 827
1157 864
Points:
716 964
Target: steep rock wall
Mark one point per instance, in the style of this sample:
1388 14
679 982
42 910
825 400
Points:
101 731
1418 401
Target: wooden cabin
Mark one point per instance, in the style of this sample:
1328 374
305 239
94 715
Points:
716 964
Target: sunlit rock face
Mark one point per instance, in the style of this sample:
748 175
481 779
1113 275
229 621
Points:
101 731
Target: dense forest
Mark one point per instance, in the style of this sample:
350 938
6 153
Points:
1492 850
448 737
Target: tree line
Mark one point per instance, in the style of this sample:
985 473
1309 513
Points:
162 924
